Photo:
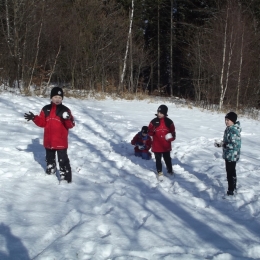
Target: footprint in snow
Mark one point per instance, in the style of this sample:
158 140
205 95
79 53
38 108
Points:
103 210
103 231
141 219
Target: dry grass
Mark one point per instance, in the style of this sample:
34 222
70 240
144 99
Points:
252 113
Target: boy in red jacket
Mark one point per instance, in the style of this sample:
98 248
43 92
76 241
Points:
142 143
162 130
56 119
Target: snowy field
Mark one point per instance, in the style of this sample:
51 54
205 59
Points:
115 208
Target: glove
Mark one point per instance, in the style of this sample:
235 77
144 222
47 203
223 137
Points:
141 147
29 116
65 115
218 144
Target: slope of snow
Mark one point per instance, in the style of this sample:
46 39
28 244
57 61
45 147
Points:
115 208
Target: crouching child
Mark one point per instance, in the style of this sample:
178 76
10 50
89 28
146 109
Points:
142 142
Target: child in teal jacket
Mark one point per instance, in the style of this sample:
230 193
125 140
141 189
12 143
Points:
231 149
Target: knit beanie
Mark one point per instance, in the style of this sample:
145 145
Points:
144 130
56 91
162 109
231 116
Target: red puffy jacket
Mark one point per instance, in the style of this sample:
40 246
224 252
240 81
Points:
158 129
55 127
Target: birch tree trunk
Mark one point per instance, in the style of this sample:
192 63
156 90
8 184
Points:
158 47
230 54
127 45
37 49
54 65
171 53
16 39
36 56
151 77
223 64
7 20
131 64
240 68
198 92
52 71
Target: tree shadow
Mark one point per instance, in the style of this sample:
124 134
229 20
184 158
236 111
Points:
14 246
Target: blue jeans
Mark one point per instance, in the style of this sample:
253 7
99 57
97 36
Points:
145 156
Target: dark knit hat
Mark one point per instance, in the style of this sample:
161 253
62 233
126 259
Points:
162 109
144 130
56 91
232 116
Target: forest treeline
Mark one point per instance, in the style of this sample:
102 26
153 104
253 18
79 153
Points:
207 51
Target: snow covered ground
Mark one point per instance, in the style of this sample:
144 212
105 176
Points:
115 208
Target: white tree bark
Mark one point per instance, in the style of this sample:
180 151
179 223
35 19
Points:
127 44
54 65
230 54
36 55
240 67
7 20
37 49
158 47
171 54
223 64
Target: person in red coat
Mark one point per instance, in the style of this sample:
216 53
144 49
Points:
142 143
56 119
162 131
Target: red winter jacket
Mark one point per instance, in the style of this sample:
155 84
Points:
158 129
139 139
55 127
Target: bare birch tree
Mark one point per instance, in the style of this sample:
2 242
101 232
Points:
240 68
127 45
223 62
37 49
171 52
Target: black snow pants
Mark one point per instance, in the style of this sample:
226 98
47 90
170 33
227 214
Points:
231 175
167 159
63 160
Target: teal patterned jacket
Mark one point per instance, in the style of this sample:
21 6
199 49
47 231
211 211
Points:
232 141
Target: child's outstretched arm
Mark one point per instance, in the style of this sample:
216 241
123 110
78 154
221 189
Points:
29 116
40 120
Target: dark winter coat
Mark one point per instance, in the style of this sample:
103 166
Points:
232 143
139 139
55 127
158 129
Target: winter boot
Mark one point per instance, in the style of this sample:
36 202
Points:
171 172
230 193
62 174
160 176
51 168
65 174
